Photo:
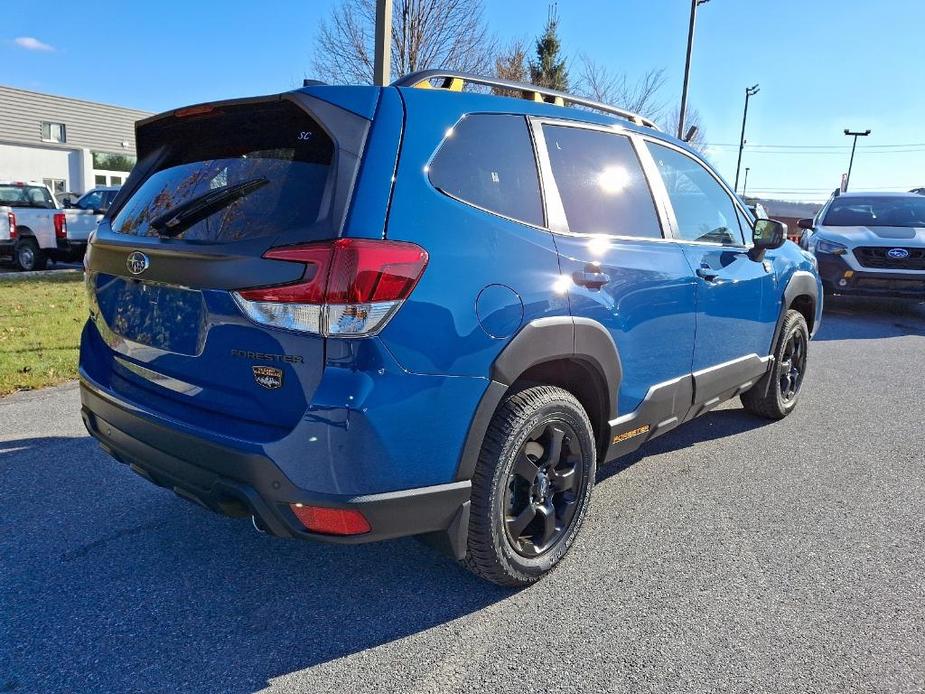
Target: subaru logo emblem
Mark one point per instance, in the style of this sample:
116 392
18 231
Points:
137 262
898 253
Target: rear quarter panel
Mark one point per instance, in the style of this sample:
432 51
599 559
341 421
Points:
438 331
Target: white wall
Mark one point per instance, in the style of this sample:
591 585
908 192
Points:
21 163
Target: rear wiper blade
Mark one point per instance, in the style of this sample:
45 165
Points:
177 219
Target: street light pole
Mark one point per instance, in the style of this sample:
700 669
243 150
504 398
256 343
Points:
383 58
745 182
749 92
687 65
856 134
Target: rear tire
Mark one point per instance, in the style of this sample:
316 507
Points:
531 486
28 256
776 394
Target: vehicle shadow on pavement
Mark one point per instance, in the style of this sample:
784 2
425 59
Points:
847 318
713 425
111 584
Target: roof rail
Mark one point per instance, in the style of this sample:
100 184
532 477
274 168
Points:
455 81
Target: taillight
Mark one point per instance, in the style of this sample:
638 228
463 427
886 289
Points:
350 287
60 225
331 521
11 218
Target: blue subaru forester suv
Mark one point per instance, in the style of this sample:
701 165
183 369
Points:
359 313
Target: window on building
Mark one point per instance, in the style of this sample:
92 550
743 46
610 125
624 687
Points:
108 161
487 160
703 209
115 180
99 180
57 185
601 183
53 132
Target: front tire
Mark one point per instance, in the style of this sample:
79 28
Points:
531 486
776 394
28 256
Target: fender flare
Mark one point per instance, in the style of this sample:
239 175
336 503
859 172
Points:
539 341
801 282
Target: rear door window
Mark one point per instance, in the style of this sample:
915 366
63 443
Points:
601 182
264 168
487 160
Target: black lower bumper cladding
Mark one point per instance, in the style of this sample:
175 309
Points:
839 278
242 484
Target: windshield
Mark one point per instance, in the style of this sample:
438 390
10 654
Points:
26 196
277 144
876 211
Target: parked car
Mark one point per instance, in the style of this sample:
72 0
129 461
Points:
870 244
32 227
85 214
358 313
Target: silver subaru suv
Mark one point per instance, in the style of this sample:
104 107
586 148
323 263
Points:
870 244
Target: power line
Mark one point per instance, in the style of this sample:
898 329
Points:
842 147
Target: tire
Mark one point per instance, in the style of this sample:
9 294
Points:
28 256
511 540
777 393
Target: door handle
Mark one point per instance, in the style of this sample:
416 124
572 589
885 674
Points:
708 274
591 280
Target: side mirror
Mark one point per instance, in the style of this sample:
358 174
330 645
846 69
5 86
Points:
805 224
767 234
101 210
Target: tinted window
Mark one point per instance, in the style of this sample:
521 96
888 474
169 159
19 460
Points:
876 211
277 152
487 160
601 183
91 201
703 209
26 196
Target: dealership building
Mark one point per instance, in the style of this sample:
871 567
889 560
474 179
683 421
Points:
70 144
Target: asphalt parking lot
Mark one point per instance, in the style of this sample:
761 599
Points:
729 555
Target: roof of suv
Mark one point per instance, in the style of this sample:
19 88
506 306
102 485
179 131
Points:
878 193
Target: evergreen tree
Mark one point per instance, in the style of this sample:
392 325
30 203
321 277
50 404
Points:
549 68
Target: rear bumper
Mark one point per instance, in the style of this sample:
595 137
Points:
247 483
833 269
7 246
66 249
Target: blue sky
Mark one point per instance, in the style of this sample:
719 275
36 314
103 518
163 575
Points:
823 65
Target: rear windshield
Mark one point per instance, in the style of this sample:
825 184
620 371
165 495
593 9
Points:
275 154
876 211
26 196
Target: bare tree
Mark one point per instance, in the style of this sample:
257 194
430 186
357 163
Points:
598 82
450 34
692 118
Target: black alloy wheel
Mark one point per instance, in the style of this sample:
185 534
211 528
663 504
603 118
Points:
543 489
792 366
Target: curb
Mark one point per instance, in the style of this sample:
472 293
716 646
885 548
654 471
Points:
37 274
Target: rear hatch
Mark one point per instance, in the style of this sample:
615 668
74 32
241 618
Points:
215 188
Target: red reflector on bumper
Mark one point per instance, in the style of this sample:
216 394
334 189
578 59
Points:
331 521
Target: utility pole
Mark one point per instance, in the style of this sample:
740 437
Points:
383 57
749 92
856 134
687 65
745 182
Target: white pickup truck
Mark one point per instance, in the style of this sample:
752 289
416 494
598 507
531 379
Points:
33 229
